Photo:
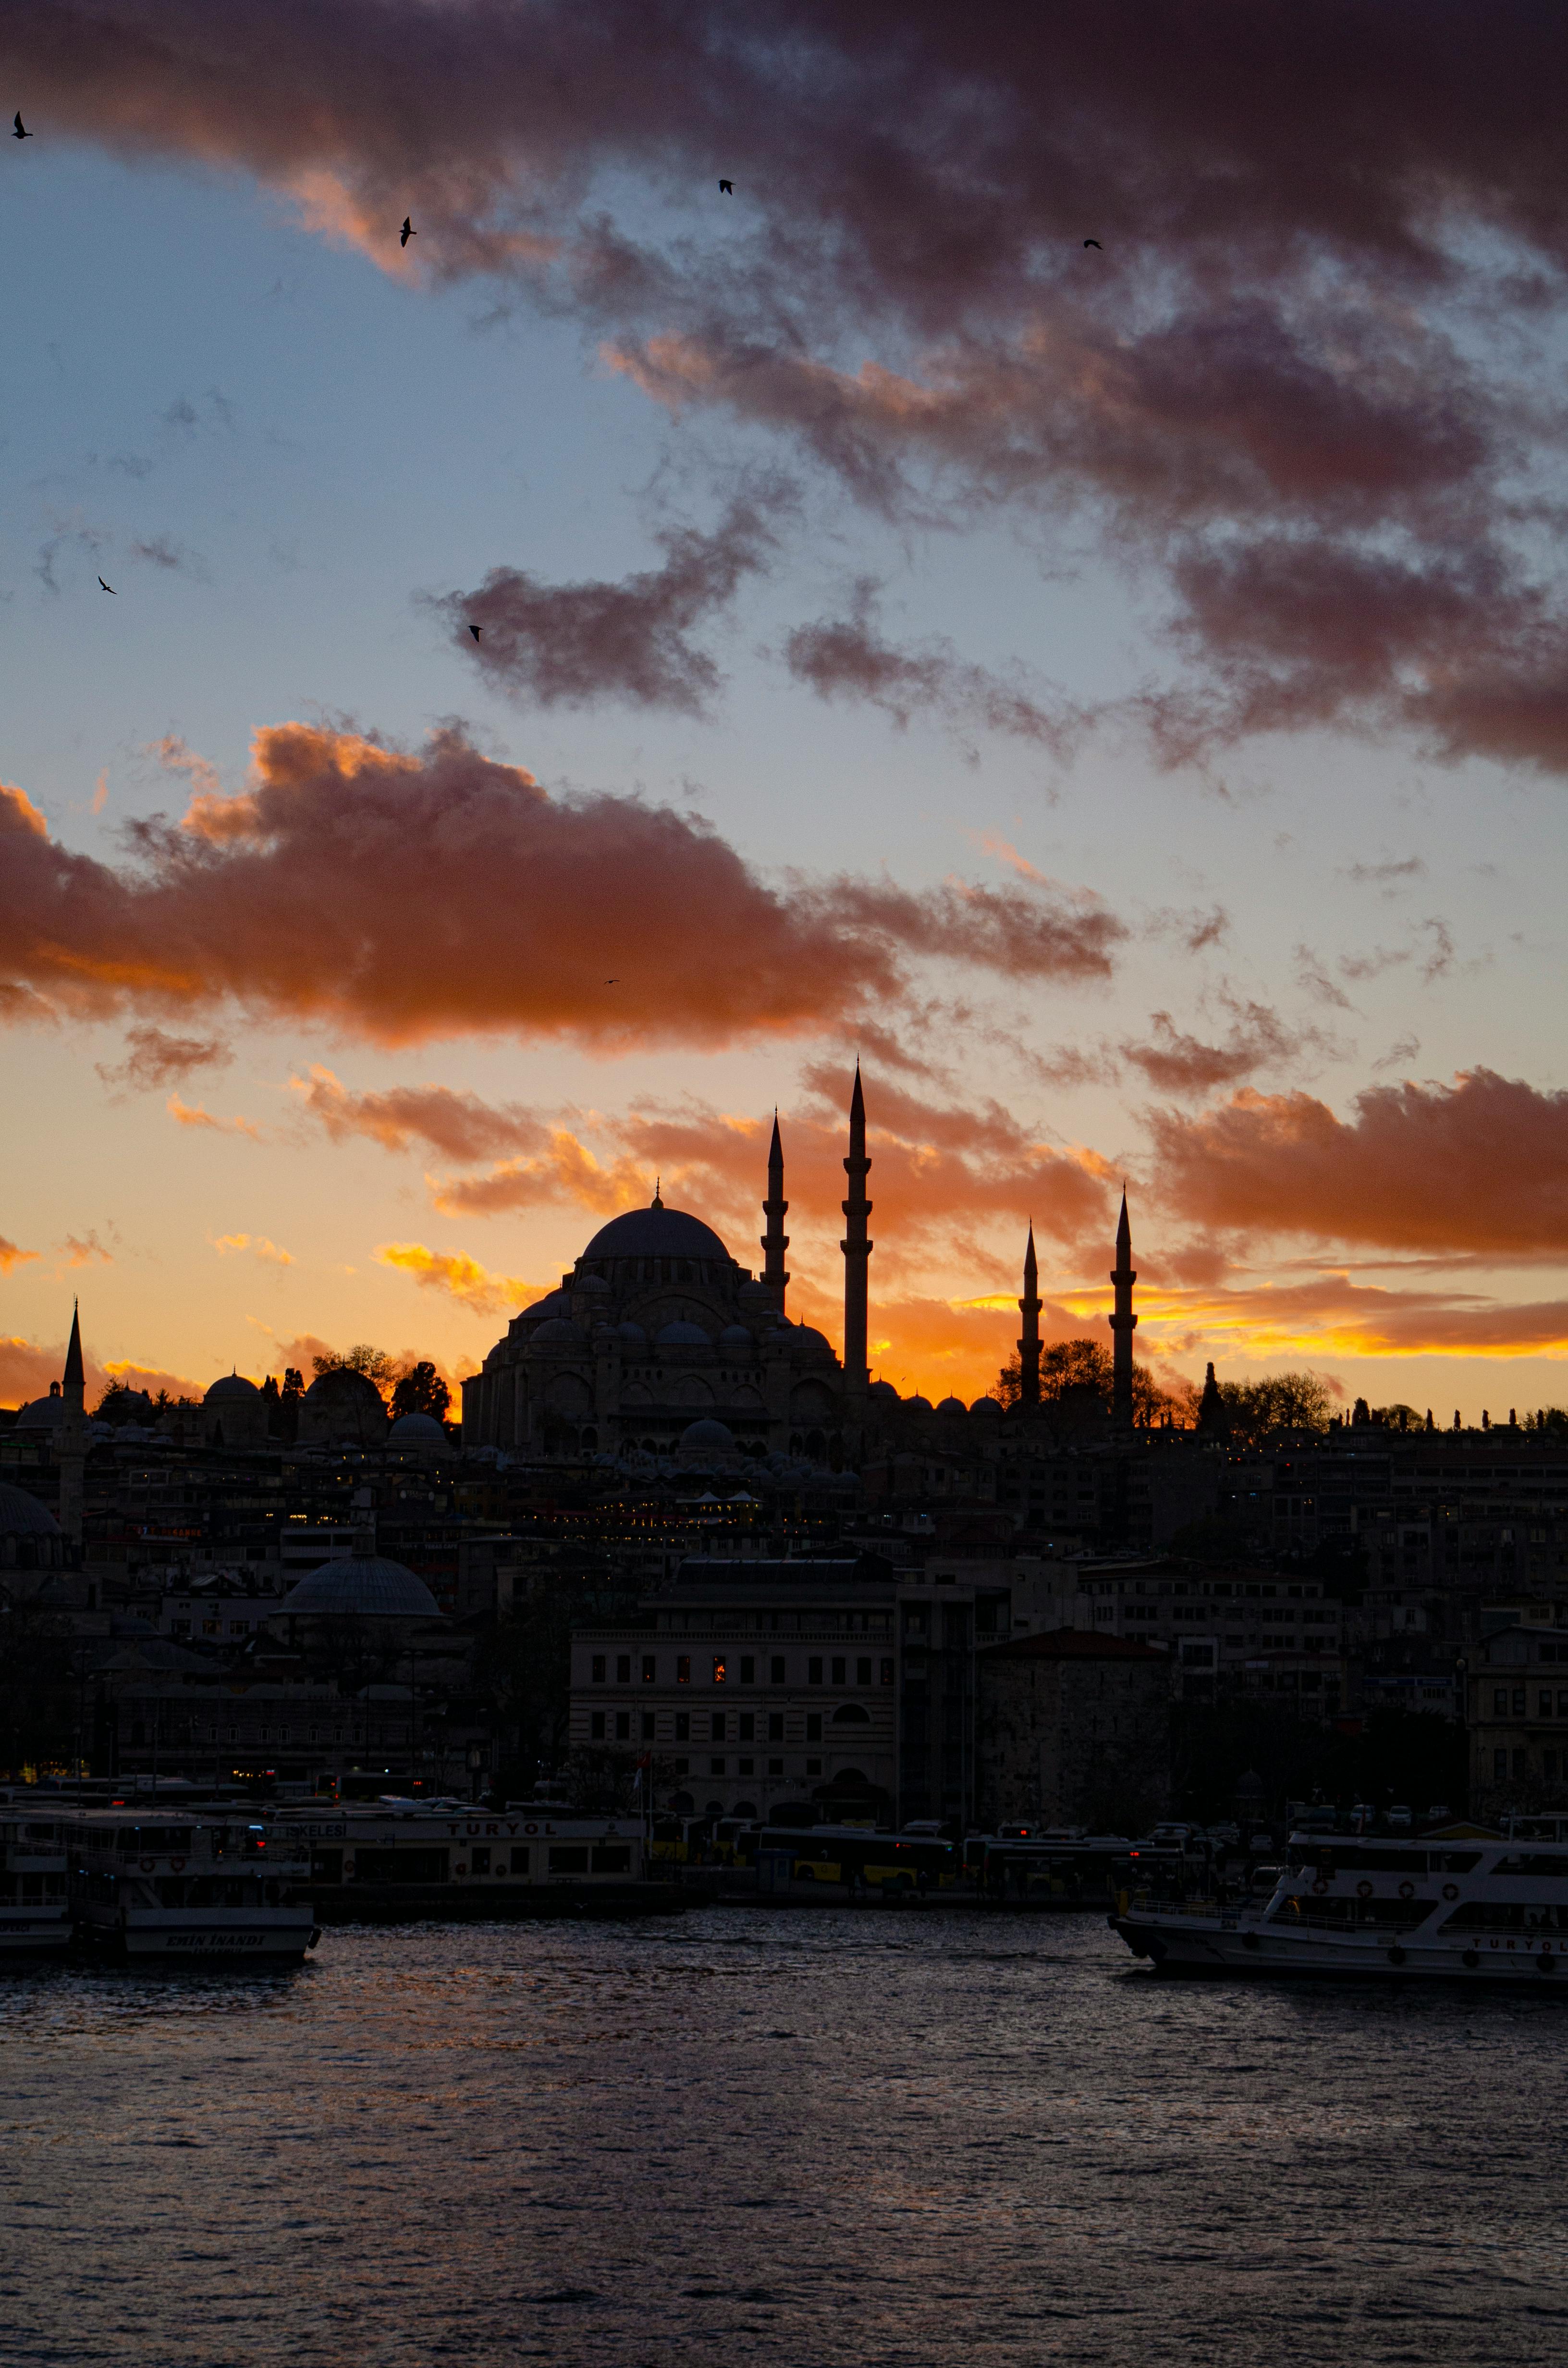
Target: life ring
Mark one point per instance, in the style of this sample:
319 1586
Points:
1450 1891
1363 1890
177 1864
1469 1957
147 1864
1396 1955
1321 1883
1407 1889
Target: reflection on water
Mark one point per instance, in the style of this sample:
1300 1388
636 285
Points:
802 2137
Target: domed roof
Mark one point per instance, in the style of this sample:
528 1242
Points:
818 1346
593 1282
756 1294
986 1405
558 1332
41 1414
340 1382
365 1586
734 1336
657 1232
22 1516
952 1405
230 1386
554 1302
917 1404
681 1335
882 1389
706 1438
417 1430
632 1334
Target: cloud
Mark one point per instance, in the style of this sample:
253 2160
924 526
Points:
193 1115
1175 1063
85 1249
359 886
459 1276
846 658
163 550
227 1244
459 1126
154 1059
11 1256
26 1369
1384 875
574 644
1476 1168
1333 1316
173 755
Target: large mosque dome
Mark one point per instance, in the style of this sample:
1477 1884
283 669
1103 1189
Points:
657 1232
362 1586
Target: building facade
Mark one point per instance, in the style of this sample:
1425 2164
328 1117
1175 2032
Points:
1075 1729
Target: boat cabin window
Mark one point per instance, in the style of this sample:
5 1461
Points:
1533 1862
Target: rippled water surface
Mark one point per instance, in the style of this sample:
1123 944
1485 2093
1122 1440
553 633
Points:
793 2137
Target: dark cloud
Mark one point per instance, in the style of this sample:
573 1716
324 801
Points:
154 1059
571 644
1175 1062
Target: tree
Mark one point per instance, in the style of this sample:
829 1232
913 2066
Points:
421 1390
1069 1366
1256 1410
293 1381
374 1364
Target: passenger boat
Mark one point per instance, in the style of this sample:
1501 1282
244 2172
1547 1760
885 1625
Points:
1463 1904
174 1892
391 1859
35 1914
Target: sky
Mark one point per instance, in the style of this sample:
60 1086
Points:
1117 692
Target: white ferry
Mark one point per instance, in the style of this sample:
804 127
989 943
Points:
1464 1903
171 1889
401 1847
34 1911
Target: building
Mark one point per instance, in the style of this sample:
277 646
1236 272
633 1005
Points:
1074 1729
1517 1716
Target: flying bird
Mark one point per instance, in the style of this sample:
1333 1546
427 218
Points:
476 631
612 982
108 587
1094 242
21 131
726 188
408 230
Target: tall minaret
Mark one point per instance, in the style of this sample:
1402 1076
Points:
856 1249
775 1241
1123 1324
72 1448
1028 1347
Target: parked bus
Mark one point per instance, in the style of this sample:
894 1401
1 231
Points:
847 1854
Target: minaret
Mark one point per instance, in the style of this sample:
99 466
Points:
1028 1347
72 1448
775 1241
1123 1322
856 1249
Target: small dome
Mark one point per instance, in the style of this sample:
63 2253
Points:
734 1336
952 1405
917 1404
43 1414
554 1302
657 1232
23 1516
417 1430
589 1282
681 1335
230 1386
706 1438
632 1334
986 1405
558 1332
757 1295
365 1586
817 1347
883 1390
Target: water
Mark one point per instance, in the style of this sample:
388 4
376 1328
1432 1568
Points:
785 2137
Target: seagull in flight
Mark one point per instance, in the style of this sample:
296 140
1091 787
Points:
21 131
612 982
108 587
408 230
1094 242
476 631
726 188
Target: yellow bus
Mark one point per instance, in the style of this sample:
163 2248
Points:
852 1854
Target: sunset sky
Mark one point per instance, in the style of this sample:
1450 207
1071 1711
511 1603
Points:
1119 693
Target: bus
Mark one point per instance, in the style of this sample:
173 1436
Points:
848 1854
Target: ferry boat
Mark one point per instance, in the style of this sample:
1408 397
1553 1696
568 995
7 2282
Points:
174 1889
35 1914
396 1859
1463 1904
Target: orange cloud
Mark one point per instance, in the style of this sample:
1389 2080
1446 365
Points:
26 1369
192 1114
459 1276
11 1256
257 1244
629 924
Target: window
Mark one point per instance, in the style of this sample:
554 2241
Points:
1500 1701
747 1726
748 1669
683 1767
1521 1763
1548 1763
887 1673
519 1862
863 1672
1561 1704
814 1767
814 1673
1519 1701
715 1768
568 1857
838 1668
721 1669
623 1727
623 1669
683 1726
598 1676
718 1726
596 1727
648 1668
650 1727
814 1727
479 1861
776 1726
612 1858
683 1669
1546 1701
746 1767
775 1669
776 1768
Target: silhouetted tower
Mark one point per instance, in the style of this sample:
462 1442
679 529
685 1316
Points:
1123 1324
856 1249
72 1449
1028 1347
775 1241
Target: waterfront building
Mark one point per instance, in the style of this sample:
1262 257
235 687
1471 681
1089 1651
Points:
1075 1729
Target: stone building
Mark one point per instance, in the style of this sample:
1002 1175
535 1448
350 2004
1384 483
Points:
1518 1717
1074 1729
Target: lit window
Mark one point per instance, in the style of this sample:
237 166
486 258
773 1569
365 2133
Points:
648 1667
720 1670
887 1673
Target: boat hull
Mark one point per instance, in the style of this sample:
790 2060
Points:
271 1937
33 1934
1200 1945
